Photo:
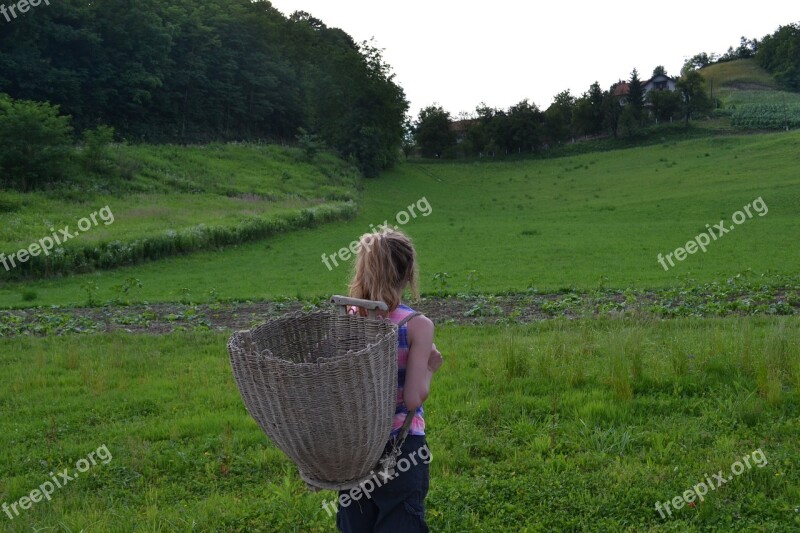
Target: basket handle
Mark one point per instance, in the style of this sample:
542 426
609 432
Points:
341 303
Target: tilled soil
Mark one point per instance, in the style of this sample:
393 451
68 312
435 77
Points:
465 309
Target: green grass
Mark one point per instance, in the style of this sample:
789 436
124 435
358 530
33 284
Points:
742 73
175 189
563 425
582 221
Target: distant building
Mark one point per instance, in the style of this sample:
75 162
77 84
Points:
621 91
660 83
459 128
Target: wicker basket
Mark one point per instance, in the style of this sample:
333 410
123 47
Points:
323 387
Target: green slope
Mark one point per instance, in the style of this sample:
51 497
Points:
579 221
173 200
751 97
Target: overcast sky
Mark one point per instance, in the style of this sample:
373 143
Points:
459 54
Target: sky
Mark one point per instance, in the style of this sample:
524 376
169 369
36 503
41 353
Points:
459 54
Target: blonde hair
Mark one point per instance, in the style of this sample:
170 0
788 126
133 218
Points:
385 261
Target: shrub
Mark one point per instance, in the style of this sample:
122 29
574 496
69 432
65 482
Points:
71 259
95 154
36 142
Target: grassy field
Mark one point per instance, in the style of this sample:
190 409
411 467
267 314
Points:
585 221
592 399
556 426
174 193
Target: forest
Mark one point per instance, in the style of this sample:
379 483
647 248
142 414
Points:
195 72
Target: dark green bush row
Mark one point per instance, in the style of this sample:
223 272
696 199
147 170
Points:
108 255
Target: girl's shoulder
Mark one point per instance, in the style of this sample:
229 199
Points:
403 311
400 312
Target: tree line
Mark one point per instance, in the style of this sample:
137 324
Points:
188 72
622 109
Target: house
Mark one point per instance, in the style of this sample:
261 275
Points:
460 128
621 91
660 82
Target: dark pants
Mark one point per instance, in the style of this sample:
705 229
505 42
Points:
398 504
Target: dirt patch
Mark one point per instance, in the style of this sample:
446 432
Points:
713 300
748 86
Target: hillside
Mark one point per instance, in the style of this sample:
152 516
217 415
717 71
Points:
751 97
174 200
597 219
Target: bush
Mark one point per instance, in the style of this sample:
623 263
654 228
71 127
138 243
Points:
310 144
76 259
36 142
95 149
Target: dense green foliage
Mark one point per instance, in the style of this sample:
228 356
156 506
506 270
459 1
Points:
557 426
692 87
433 132
779 53
185 71
624 108
35 143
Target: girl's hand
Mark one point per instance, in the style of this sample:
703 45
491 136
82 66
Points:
435 360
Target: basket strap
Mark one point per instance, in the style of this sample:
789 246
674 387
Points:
407 318
342 302
406 427
401 437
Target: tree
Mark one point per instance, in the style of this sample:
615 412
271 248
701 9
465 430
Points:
698 61
692 87
524 125
777 53
664 104
36 142
558 118
433 132
636 99
587 115
612 110
659 71
188 71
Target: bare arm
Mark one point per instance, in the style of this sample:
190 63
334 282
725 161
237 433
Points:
419 369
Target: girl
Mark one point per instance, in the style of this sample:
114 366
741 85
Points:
385 266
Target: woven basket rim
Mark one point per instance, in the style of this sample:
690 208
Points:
321 312
268 354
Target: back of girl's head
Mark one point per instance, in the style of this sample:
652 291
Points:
385 262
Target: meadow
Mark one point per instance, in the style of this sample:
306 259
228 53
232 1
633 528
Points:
587 389
584 221
551 426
